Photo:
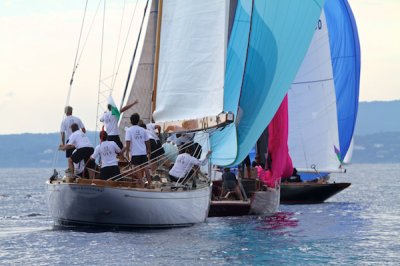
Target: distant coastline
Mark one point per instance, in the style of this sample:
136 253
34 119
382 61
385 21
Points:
377 140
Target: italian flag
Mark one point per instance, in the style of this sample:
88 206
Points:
114 109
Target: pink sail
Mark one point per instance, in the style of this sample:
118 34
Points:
278 151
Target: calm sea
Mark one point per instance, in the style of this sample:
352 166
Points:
359 226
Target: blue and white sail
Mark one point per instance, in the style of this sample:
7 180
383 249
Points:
280 34
313 123
223 142
345 54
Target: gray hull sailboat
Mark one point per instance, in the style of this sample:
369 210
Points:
180 83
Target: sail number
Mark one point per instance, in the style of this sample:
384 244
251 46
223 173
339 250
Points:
319 25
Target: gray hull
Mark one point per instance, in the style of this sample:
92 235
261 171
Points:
265 202
83 204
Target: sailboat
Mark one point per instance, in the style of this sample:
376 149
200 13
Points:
323 102
185 46
259 72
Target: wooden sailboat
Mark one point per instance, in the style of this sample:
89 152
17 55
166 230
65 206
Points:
190 54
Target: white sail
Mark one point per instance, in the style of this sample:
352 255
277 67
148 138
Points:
349 154
313 127
191 59
143 79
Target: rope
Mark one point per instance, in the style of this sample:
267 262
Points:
126 41
100 69
75 66
119 38
161 160
134 56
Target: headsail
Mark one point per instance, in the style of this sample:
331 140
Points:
280 34
281 163
191 60
313 128
345 53
223 143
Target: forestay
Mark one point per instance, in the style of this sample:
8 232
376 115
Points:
313 127
141 87
191 59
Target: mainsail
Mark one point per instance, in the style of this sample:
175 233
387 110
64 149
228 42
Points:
345 54
191 70
143 79
313 127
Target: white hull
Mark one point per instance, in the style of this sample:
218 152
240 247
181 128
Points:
265 202
84 204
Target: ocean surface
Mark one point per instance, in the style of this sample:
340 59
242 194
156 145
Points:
359 226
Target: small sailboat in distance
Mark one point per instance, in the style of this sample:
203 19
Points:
323 103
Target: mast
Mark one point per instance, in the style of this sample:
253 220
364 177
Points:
157 55
142 81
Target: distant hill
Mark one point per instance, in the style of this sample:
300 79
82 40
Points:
377 148
378 117
32 150
377 140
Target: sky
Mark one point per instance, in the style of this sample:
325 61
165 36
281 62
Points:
39 40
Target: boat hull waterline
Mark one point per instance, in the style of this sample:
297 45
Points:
265 203
309 193
92 205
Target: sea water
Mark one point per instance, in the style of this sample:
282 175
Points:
359 226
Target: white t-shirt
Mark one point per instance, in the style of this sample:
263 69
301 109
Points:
184 163
151 131
184 138
79 140
79 167
111 123
138 137
107 151
66 125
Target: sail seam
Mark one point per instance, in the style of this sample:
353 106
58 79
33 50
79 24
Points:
314 81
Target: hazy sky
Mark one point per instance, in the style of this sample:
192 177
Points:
39 40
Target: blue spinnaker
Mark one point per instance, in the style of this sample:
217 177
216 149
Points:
280 34
345 54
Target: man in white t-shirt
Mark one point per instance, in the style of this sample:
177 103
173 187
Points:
65 129
107 151
79 141
181 139
182 169
110 121
138 146
155 144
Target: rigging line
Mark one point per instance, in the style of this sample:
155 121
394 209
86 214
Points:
249 38
126 41
77 52
101 64
55 158
134 54
116 52
312 81
90 29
